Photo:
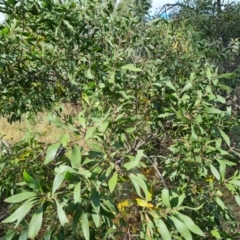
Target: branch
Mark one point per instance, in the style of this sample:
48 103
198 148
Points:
156 169
169 6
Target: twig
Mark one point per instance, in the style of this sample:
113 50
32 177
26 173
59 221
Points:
159 156
156 169
129 235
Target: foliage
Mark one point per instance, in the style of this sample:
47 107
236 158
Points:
137 8
216 24
157 129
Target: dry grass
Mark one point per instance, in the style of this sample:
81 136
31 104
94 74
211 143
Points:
38 127
17 131
230 202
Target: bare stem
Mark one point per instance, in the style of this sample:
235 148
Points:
156 169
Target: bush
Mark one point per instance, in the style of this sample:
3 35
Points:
156 129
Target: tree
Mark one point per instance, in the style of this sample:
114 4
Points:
135 7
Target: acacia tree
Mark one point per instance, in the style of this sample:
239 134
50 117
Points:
157 130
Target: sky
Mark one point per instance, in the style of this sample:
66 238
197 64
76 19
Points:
160 3
155 5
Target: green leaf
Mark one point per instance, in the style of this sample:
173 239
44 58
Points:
31 182
221 99
35 223
109 170
64 168
186 207
82 120
20 197
112 78
76 219
95 199
85 98
9 235
192 76
180 199
224 87
48 235
139 155
222 169
182 228
230 187
68 25
20 213
113 181
57 182
89 74
158 85
85 226
138 183
209 74
77 193
216 234
215 172
51 152
194 135
229 111
131 67
237 198
75 157
136 186
190 224
220 203
198 119
96 149
163 115
130 165
72 177
163 230
135 162
213 110
219 193
84 172
89 132
165 198
97 170
96 219
227 75
64 139
104 126
110 206
225 137
58 122
149 230
61 214
186 87
170 85
130 130
235 182
24 235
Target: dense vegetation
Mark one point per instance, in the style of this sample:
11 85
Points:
156 120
